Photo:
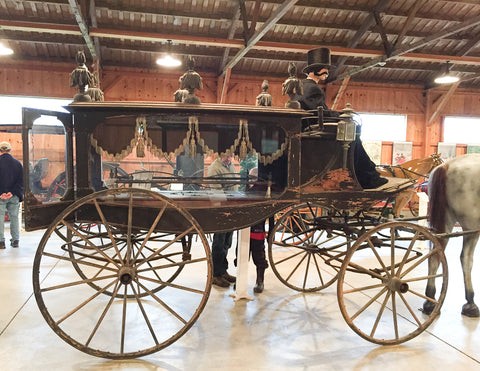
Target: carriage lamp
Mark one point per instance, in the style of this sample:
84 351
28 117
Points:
346 131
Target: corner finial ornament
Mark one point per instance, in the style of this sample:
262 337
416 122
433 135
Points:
82 78
190 81
292 87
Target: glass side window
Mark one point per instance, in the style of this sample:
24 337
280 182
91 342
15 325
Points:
47 159
189 155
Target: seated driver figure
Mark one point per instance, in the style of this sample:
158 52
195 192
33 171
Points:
318 64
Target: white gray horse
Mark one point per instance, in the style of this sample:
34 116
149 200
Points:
454 192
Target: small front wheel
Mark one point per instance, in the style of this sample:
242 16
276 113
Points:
383 282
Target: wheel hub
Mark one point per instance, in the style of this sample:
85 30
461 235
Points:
126 275
398 285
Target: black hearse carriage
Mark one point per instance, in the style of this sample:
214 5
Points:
124 267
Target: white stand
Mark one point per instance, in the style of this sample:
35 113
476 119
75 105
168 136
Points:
422 211
242 265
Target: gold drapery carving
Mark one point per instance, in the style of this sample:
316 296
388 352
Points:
192 138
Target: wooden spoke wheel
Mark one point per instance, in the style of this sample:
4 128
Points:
383 279
291 224
79 248
306 247
116 285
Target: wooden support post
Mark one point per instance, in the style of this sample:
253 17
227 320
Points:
226 80
442 101
341 92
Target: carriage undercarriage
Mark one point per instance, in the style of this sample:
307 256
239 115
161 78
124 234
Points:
125 272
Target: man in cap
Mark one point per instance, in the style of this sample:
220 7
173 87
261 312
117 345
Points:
318 65
11 193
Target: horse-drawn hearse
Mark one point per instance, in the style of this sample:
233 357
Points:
124 266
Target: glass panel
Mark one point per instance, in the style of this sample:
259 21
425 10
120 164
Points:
157 155
47 159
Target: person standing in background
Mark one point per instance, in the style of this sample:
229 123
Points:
11 193
222 167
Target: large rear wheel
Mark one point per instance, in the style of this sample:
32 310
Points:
110 283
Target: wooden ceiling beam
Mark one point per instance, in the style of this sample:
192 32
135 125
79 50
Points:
366 24
278 14
224 43
437 106
96 40
284 22
399 52
231 34
406 26
82 24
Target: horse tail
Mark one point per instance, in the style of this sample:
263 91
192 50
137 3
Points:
437 193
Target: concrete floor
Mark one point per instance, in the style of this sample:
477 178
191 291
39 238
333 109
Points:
280 330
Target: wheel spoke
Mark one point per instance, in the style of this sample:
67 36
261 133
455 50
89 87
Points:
318 270
296 267
364 288
74 230
176 239
150 231
162 303
85 302
82 262
407 253
379 259
102 316
373 299
144 313
75 283
380 313
109 231
394 315
129 229
409 308
306 271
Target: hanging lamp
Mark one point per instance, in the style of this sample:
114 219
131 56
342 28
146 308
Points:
168 60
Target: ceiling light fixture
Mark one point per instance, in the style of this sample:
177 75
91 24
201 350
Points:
168 60
5 50
446 77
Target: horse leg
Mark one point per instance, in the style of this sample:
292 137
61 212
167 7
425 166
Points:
430 291
433 263
470 309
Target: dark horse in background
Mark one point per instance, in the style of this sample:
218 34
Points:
454 191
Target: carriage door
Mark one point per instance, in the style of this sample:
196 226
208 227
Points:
47 154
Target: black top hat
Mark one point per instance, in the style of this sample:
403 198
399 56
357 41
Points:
317 59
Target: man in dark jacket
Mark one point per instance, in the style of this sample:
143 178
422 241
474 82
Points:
11 193
318 65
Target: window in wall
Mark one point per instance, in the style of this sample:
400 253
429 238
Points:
381 127
465 130
12 108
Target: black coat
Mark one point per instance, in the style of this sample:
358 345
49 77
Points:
11 175
313 96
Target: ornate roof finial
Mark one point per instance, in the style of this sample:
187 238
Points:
180 94
264 98
190 81
292 86
95 93
81 77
